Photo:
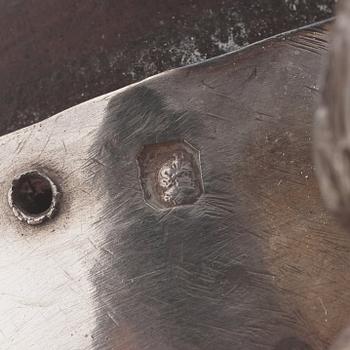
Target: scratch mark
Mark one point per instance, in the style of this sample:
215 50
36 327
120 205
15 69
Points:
266 115
180 117
147 274
45 145
23 143
3 334
92 243
252 75
164 217
217 116
68 275
113 320
313 89
64 146
107 251
314 42
303 46
323 306
99 162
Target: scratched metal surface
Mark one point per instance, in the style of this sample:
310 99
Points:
253 261
55 54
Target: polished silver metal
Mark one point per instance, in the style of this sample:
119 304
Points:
230 249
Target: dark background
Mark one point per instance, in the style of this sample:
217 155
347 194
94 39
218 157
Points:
57 53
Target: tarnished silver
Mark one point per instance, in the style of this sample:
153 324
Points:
190 217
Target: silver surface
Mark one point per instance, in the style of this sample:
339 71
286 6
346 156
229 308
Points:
251 261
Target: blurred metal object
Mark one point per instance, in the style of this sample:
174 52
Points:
332 122
332 131
343 342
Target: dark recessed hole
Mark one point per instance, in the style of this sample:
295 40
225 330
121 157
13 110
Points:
33 197
32 193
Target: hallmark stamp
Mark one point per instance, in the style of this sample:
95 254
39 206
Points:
170 174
